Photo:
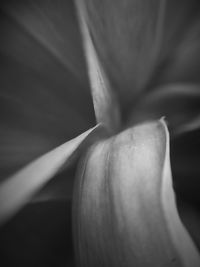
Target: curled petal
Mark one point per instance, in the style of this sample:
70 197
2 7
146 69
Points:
124 205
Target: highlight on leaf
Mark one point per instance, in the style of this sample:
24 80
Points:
19 188
105 101
124 205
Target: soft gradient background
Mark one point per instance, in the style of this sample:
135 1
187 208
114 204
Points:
45 101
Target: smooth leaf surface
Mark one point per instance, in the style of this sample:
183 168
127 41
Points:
18 189
104 98
124 205
126 36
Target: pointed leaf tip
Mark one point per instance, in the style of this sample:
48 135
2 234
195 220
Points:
105 102
18 189
124 204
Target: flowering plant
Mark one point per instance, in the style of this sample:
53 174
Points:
139 60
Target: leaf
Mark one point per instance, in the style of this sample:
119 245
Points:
104 99
18 189
124 206
126 36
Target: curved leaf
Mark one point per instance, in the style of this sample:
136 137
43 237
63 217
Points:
124 205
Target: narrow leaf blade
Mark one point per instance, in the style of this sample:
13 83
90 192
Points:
18 189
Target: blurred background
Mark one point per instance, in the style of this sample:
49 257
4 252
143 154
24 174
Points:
45 100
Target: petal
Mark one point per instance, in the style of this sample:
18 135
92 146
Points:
43 86
124 206
18 189
126 36
179 103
